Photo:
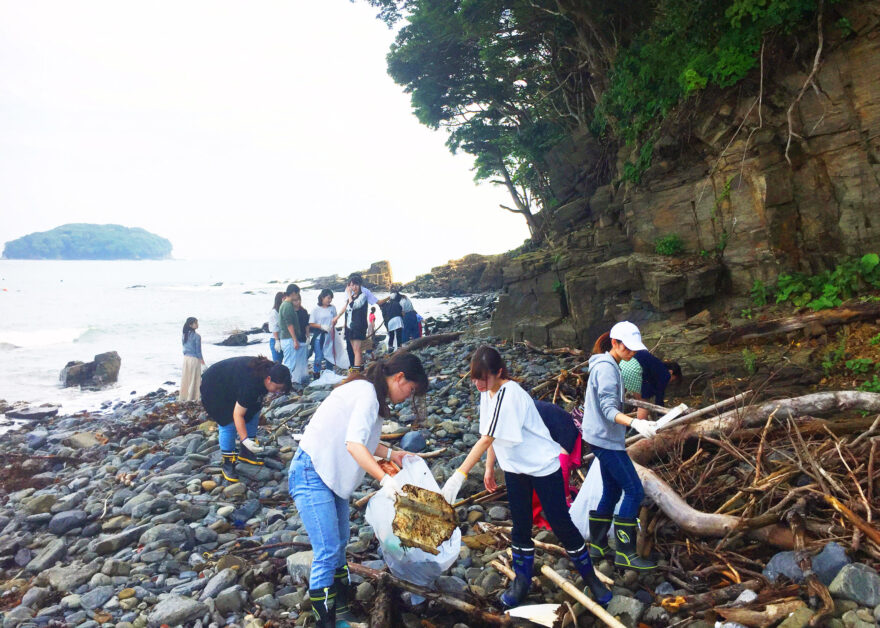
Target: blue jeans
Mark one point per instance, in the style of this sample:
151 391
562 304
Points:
318 348
275 349
618 476
325 516
410 326
227 433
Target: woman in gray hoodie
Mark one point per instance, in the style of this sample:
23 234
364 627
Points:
604 428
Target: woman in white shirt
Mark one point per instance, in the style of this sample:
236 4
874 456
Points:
511 425
274 328
322 321
335 452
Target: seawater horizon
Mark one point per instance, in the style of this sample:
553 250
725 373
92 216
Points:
54 311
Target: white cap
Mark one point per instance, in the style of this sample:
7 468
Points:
629 335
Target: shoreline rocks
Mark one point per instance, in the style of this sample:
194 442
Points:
103 370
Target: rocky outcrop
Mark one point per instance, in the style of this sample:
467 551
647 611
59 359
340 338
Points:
469 275
377 277
720 181
102 371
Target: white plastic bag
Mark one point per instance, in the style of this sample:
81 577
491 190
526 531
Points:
408 563
328 378
334 349
587 499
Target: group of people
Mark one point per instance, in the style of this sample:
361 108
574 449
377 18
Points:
340 444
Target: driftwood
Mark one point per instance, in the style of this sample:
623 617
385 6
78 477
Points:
604 616
441 598
770 615
703 523
796 517
699 601
432 341
815 404
766 329
559 351
380 614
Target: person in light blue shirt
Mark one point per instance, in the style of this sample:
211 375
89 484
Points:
193 361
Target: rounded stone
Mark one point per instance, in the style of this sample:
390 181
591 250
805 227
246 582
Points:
125 594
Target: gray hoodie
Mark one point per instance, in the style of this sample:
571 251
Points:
603 400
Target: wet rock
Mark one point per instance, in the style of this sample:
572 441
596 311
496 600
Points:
800 618
222 580
175 610
829 562
48 556
629 609
299 565
64 522
414 442
96 598
100 372
857 582
82 440
783 564
31 413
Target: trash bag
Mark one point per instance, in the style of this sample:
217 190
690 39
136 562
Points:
410 564
328 378
334 349
587 499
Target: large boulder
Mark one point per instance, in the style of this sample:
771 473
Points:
102 371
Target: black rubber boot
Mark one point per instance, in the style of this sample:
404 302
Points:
581 560
246 456
625 534
523 564
228 467
324 606
599 527
344 595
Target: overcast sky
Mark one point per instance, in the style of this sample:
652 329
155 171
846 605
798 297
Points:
247 130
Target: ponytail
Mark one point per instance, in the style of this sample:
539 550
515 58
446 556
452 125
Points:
603 343
377 373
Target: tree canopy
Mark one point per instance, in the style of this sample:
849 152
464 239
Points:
511 79
88 241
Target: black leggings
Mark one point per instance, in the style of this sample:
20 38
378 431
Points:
398 334
551 492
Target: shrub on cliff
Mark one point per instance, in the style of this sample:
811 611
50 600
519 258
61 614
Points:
87 241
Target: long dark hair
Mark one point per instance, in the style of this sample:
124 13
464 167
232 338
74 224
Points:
326 292
187 327
399 362
487 361
279 297
603 343
263 367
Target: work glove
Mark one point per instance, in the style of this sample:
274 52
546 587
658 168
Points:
326 328
252 445
390 487
453 486
648 429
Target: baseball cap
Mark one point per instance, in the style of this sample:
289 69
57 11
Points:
629 335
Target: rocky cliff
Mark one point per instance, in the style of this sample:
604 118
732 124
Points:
377 277
470 274
721 182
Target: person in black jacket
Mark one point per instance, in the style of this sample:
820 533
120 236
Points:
646 377
232 394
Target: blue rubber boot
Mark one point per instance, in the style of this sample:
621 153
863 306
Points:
581 560
523 565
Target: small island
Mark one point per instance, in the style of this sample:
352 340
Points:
83 241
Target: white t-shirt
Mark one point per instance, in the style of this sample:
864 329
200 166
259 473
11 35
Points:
349 414
522 441
323 315
273 321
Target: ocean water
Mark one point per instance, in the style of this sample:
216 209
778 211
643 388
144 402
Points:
52 312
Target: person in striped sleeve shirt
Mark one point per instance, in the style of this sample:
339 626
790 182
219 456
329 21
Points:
529 457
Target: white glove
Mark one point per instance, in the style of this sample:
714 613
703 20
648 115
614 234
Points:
648 429
252 445
453 486
326 328
390 486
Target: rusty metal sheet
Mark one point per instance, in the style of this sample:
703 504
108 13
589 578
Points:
423 519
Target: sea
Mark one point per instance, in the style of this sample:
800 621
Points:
53 312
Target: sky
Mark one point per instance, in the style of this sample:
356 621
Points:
237 130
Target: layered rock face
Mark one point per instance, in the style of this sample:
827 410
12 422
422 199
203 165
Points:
377 277
741 210
470 274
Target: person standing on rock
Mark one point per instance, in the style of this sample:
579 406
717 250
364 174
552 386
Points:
604 428
322 322
289 332
355 310
275 328
337 448
193 361
232 394
511 426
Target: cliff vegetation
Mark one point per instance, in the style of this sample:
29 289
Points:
89 242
